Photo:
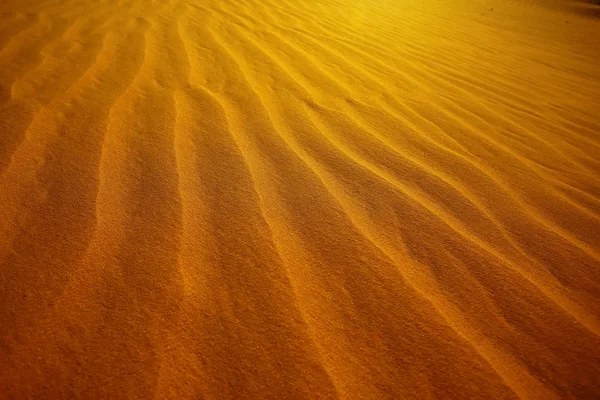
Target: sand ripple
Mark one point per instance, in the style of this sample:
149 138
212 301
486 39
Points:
299 199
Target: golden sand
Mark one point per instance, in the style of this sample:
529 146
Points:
392 199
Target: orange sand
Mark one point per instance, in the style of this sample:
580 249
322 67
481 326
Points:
299 199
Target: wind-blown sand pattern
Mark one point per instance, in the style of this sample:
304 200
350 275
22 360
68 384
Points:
299 199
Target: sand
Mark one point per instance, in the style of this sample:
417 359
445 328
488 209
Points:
390 199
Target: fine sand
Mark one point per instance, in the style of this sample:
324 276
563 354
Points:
386 199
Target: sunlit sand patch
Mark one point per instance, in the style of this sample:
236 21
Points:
299 199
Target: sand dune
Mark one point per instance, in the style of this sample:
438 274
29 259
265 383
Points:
299 199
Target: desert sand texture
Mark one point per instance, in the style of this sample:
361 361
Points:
216 199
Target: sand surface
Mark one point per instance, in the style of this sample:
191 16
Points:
387 199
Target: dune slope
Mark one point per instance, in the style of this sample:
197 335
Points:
299 199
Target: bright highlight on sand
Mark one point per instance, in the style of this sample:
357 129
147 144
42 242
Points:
243 199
